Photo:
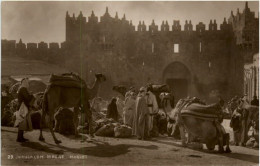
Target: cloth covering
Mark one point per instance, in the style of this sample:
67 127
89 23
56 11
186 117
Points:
23 118
140 125
129 110
67 80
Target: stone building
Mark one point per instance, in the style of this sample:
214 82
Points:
193 61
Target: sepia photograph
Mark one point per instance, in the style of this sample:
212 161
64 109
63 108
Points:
130 83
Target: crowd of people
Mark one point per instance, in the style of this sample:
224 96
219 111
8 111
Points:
138 112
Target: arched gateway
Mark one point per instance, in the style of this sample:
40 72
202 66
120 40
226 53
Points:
178 77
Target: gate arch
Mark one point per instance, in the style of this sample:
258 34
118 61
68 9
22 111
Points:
178 77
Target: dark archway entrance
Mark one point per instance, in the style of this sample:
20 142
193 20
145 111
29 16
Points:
177 76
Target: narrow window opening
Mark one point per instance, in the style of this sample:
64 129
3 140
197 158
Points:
176 48
200 46
152 47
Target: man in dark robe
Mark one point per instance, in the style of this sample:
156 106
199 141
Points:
112 110
255 101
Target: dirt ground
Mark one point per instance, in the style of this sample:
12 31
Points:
113 151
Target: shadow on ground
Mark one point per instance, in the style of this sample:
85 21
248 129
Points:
8 131
104 149
101 149
40 147
240 156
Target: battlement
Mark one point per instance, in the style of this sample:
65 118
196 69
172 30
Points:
11 44
74 22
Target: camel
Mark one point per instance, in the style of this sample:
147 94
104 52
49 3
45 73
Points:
120 89
58 96
206 129
158 89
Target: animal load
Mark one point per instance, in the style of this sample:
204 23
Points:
123 131
102 122
206 112
69 80
157 90
107 130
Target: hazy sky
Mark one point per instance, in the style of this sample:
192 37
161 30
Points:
45 21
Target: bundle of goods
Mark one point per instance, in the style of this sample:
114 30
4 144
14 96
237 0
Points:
107 130
102 122
67 80
7 118
123 131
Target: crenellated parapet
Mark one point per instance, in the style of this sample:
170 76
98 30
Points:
92 19
213 26
43 46
153 28
225 26
32 46
78 28
20 46
176 25
188 26
200 28
54 46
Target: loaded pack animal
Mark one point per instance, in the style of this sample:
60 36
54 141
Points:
200 121
158 89
68 91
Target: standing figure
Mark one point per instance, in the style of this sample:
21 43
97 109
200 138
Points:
255 101
23 117
128 93
112 110
129 109
152 106
236 124
141 116
120 106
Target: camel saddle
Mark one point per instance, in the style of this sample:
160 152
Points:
208 112
69 80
